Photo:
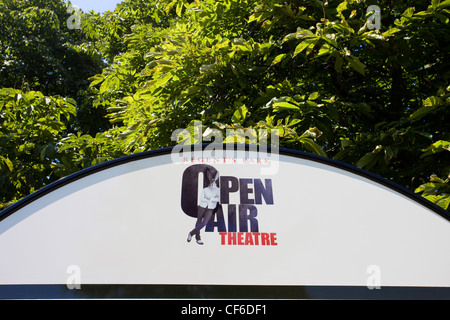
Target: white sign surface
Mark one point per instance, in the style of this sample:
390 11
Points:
310 223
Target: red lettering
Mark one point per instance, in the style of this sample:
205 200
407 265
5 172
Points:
273 239
222 237
231 238
240 238
265 239
248 239
256 235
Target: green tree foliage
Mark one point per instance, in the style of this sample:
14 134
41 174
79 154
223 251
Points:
317 70
38 50
40 53
31 128
44 72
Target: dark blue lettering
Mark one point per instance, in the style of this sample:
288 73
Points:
247 214
227 185
263 192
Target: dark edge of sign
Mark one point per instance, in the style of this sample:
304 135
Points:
220 292
164 151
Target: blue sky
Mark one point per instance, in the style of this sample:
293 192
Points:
96 5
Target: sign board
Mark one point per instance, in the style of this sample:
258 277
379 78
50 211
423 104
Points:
309 228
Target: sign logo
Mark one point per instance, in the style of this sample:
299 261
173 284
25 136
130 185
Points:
213 207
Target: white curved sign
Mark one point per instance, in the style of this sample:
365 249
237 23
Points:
147 221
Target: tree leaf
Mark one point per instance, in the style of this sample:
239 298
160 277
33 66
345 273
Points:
313 96
429 106
310 145
179 8
285 105
367 160
436 147
339 63
8 163
303 45
356 64
279 58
